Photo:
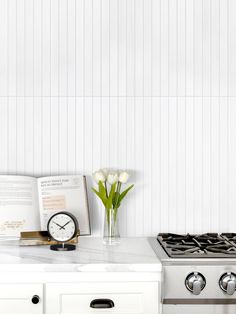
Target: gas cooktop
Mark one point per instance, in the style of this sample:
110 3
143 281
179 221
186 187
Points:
208 245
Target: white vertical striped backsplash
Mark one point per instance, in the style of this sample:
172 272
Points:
144 85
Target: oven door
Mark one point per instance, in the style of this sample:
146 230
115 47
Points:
199 308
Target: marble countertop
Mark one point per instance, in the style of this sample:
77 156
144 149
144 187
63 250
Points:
132 254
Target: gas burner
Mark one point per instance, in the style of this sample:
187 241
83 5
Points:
202 245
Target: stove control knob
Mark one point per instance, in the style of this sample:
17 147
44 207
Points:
195 283
228 283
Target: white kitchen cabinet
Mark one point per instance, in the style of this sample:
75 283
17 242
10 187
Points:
66 282
122 297
19 298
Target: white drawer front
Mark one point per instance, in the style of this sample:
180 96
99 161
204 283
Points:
131 303
128 298
17 298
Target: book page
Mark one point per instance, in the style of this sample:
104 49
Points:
18 205
61 193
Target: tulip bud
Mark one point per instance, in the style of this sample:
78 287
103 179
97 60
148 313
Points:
112 177
123 177
99 176
105 171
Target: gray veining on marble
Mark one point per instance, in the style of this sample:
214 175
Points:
132 254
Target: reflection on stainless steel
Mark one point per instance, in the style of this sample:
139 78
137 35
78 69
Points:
195 283
199 272
227 283
199 301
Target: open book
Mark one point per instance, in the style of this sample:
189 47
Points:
27 203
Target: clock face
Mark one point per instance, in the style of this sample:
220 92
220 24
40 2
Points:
62 227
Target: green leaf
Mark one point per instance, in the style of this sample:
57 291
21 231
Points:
102 189
103 199
115 198
111 195
123 194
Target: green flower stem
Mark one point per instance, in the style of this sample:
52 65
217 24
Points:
116 201
109 222
105 183
108 216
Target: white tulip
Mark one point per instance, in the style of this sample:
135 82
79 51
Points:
99 176
112 177
105 171
123 177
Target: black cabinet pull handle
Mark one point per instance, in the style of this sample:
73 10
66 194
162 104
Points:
102 304
35 299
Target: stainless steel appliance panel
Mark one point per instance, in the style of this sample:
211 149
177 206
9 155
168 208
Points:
199 308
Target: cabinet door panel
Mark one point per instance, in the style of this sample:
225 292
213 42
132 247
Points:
17 298
128 298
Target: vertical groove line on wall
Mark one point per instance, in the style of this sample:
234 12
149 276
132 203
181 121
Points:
83 84
210 215
109 57
92 114
160 215
193 145
8 126
50 70
219 187
67 78
118 49
101 213
219 50
33 130
101 100
134 93
134 98
24 90
75 100
219 168
228 82
151 135
143 176
92 87
109 90
202 222
126 102
177 108
168 121
59 113
16 90
185 122
218 214
41 100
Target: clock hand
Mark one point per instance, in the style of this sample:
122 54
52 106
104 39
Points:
65 224
61 227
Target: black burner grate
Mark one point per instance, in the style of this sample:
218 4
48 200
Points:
203 245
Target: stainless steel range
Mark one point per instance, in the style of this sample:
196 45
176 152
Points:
199 272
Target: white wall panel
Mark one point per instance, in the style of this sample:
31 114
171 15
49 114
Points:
20 136
4 51
147 86
130 142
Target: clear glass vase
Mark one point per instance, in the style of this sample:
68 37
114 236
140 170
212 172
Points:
111 235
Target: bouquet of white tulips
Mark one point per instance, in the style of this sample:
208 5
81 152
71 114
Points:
110 193
112 196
